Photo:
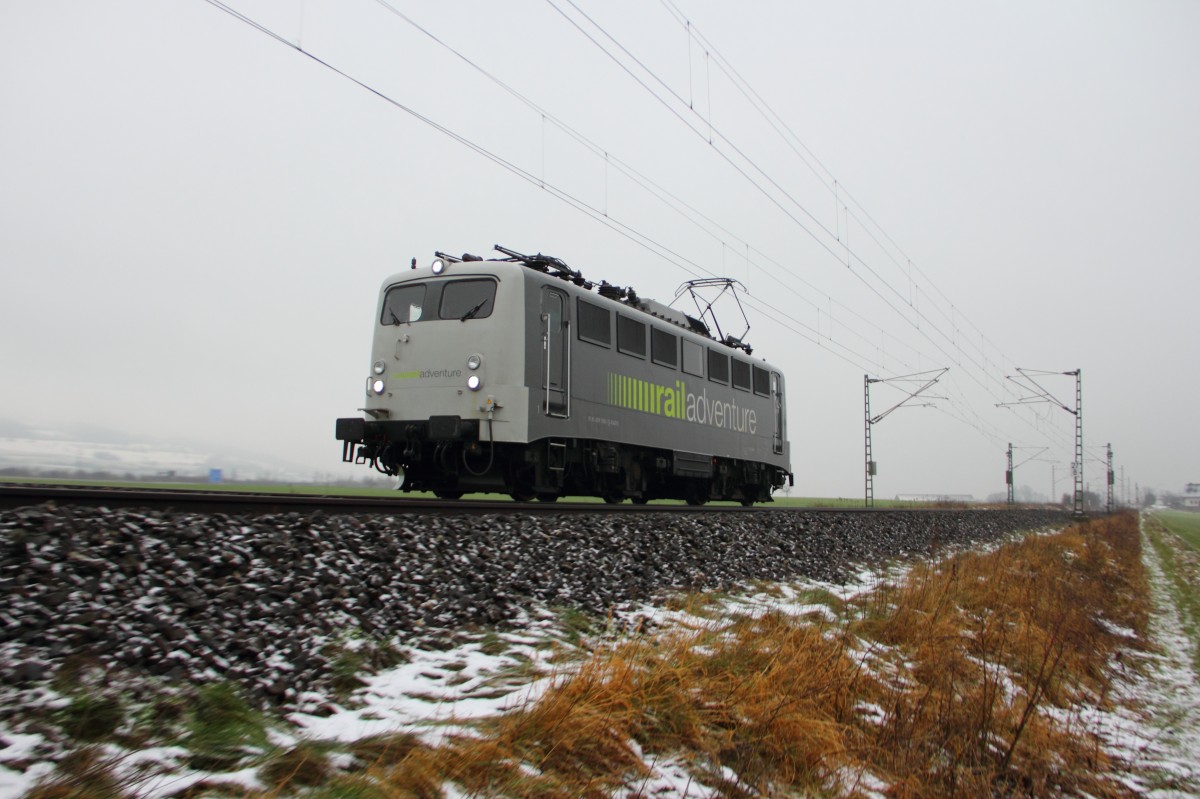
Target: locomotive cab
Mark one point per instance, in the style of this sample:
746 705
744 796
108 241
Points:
443 359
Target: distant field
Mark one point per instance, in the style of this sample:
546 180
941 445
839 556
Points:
272 488
1183 524
1175 536
352 491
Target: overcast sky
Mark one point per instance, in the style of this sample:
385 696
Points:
195 217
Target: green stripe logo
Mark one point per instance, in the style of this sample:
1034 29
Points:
674 402
647 397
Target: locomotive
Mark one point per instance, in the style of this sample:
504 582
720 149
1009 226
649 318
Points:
516 375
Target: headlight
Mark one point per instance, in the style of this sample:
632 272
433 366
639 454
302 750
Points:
474 383
377 386
438 266
379 367
473 362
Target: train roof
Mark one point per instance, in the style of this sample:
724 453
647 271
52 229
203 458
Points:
557 268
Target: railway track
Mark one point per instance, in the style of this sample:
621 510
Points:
21 494
175 581
15 495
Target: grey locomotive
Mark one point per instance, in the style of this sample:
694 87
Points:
518 376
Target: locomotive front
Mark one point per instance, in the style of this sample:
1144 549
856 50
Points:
445 348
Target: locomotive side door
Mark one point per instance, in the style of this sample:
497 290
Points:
777 399
556 351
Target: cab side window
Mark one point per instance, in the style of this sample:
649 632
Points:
718 367
693 358
664 348
595 324
631 336
741 375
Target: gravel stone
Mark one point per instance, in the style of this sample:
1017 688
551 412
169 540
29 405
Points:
256 598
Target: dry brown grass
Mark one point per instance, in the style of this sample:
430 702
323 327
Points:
994 649
741 696
957 681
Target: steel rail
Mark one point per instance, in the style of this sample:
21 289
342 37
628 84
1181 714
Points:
15 495
214 500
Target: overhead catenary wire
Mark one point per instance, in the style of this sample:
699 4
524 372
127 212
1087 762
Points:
829 248
808 158
859 360
690 267
954 338
624 168
703 222
826 177
725 156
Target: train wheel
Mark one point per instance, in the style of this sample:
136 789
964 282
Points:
640 500
519 482
448 494
611 488
545 496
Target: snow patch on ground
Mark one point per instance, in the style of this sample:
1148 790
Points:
1156 723
21 749
438 691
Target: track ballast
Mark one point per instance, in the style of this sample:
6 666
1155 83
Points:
256 597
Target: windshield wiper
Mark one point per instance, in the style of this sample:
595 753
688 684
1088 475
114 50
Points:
471 313
395 319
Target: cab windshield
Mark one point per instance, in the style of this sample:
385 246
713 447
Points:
424 300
